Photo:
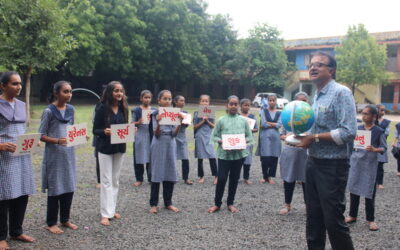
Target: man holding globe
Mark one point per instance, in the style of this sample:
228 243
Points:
330 146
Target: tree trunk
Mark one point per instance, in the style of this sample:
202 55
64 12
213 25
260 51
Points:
28 95
353 89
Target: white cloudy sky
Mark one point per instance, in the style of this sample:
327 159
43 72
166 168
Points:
310 18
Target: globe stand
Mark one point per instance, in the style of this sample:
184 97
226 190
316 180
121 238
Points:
292 140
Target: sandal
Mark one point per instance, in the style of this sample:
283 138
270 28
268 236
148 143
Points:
285 210
373 226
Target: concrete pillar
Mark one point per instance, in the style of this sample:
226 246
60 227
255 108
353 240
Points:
396 96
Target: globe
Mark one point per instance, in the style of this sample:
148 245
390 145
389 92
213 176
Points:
297 117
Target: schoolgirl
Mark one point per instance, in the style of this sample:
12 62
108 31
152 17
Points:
396 143
382 158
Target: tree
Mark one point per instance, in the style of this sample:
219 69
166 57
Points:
33 35
360 59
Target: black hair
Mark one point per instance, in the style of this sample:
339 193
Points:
378 106
5 77
176 98
332 61
204 95
233 97
161 93
144 92
56 89
107 100
372 109
276 97
244 100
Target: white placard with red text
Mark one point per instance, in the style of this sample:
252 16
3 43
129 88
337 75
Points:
208 111
251 122
27 144
76 134
122 133
233 141
187 118
146 115
363 139
169 116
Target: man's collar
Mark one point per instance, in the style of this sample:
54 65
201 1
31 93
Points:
326 87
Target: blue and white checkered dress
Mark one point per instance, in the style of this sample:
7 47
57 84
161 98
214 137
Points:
58 168
16 174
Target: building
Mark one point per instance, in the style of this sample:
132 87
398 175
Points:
299 50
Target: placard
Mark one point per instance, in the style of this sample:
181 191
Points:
187 118
233 141
363 139
122 133
27 144
76 134
169 116
208 111
146 115
251 122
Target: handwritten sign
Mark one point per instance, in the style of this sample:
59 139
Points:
27 144
187 118
251 122
233 141
363 139
208 111
169 116
122 133
76 134
146 115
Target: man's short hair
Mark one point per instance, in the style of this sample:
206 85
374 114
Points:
332 60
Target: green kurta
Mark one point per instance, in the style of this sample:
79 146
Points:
232 124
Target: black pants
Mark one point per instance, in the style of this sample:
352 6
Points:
139 172
96 154
369 206
379 175
185 169
269 165
168 189
60 203
246 171
231 169
12 213
326 181
213 166
289 190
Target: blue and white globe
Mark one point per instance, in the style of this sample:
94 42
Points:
297 117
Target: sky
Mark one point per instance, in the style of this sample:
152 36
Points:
309 18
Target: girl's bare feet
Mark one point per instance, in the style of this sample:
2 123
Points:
153 210
98 185
172 208
373 226
248 182
55 229
69 225
213 209
233 209
117 216
263 181
350 219
285 210
189 182
4 245
398 174
24 238
215 180
380 186
105 221
137 184
201 180
271 181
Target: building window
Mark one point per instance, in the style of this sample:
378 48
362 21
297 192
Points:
387 93
307 59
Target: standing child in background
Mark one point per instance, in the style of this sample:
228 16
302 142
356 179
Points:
244 111
396 143
58 168
113 110
163 157
230 161
382 158
269 146
181 142
16 178
142 139
293 165
204 149
363 169
96 153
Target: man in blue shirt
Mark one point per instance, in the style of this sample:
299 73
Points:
330 146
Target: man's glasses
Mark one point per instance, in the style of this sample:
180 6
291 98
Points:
317 65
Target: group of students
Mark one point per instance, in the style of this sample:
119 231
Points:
157 149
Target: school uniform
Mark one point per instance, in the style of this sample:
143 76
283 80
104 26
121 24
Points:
293 168
141 146
58 167
269 146
203 148
110 158
230 161
397 136
16 174
182 150
163 162
362 174
382 158
249 159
